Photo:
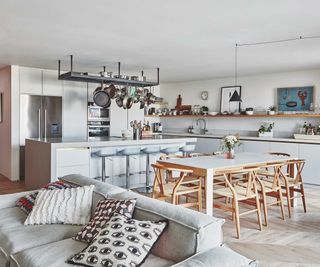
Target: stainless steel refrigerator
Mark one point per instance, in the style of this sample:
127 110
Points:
40 117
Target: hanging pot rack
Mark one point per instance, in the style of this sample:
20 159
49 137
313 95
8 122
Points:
89 78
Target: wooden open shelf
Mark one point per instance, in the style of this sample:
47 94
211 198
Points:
240 116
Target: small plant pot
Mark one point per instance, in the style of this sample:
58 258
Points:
266 134
271 112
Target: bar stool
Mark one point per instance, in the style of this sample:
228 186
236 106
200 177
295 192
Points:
103 154
187 150
170 150
127 152
148 151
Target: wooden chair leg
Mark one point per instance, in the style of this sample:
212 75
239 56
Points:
281 203
200 199
303 198
288 200
265 207
259 212
237 216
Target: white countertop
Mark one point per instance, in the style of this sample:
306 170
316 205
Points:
273 139
115 141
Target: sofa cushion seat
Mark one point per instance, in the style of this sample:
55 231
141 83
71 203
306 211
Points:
16 239
55 254
217 257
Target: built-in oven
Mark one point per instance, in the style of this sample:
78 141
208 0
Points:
98 121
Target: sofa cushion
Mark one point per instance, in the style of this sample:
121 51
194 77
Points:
55 254
103 213
26 202
217 257
16 239
9 200
121 242
188 232
68 206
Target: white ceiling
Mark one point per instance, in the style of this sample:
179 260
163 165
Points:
187 39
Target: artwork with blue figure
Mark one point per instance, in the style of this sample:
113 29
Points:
295 98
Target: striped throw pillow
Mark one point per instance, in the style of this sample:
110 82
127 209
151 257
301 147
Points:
26 202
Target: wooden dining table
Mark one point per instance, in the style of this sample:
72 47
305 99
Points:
206 166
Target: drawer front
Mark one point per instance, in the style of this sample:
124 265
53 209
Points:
81 169
73 157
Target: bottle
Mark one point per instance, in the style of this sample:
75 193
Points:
160 128
305 128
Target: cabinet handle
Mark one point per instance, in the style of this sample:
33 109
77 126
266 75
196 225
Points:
39 123
45 123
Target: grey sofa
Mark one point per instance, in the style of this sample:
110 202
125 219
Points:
192 238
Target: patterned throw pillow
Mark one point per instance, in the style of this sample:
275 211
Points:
102 214
26 203
123 242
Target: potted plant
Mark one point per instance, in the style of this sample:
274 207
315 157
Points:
266 130
272 110
229 142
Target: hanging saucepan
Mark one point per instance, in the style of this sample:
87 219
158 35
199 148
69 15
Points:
119 102
127 102
142 103
111 90
101 98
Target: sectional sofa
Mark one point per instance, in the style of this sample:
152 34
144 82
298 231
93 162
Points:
192 238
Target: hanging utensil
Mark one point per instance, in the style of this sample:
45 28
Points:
127 102
101 98
111 90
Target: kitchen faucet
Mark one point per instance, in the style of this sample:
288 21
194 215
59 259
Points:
204 130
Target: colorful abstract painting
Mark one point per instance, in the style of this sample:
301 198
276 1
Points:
295 98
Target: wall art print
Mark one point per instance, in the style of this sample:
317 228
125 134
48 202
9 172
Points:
295 98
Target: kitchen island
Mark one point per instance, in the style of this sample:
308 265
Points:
49 159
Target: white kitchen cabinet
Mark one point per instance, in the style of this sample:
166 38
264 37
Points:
74 110
118 119
207 145
311 172
289 148
30 81
73 161
52 86
255 146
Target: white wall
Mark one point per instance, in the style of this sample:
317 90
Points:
257 91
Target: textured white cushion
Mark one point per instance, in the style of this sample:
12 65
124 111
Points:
67 206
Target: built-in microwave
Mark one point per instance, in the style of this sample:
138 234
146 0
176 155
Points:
96 113
98 121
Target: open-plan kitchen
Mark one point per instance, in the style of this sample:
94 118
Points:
144 133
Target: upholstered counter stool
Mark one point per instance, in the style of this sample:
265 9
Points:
104 154
187 150
170 150
127 152
149 151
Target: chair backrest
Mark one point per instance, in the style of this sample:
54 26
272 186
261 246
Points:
251 174
280 154
276 166
298 166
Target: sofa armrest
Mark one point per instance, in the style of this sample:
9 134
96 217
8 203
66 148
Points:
9 200
217 257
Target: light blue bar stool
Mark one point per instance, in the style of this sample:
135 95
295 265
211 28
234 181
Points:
187 149
170 150
103 154
148 151
127 152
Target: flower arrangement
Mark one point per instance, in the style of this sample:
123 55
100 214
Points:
229 142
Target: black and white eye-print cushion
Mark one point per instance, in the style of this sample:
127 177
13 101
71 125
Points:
102 214
123 242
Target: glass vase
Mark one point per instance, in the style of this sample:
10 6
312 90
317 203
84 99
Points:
230 154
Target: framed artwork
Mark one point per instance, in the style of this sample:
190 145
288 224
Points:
295 98
226 94
1 107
